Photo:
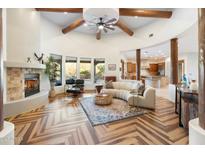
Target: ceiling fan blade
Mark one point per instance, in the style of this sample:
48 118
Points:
70 10
105 30
110 28
145 13
124 28
111 20
98 34
74 25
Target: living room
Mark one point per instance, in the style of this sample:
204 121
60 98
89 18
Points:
59 113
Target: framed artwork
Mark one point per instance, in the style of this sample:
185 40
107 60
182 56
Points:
112 67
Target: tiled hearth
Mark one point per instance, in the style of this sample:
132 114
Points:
16 82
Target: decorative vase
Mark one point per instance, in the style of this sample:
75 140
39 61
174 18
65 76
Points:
52 92
193 85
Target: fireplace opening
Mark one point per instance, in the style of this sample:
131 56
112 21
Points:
32 84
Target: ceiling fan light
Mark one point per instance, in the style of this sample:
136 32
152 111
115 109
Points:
100 27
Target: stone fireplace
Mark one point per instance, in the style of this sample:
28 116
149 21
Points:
26 86
22 83
32 84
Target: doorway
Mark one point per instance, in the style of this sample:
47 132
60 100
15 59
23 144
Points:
181 70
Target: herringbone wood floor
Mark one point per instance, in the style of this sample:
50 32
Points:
64 122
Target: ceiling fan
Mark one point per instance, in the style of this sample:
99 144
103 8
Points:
107 19
101 24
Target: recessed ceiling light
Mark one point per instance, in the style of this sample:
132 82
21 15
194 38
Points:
65 12
136 16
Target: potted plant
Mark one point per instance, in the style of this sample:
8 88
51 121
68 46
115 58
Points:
52 72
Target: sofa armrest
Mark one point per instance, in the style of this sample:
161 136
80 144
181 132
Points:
140 99
146 102
131 99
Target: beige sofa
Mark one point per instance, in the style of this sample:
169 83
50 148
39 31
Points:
148 100
122 90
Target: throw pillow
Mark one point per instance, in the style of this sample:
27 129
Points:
141 89
108 84
134 88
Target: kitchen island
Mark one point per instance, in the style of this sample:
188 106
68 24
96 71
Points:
155 81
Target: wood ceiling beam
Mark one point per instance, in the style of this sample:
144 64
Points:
69 10
123 27
74 25
145 13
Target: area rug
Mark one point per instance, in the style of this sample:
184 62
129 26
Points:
118 110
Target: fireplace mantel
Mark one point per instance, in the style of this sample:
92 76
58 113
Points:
12 64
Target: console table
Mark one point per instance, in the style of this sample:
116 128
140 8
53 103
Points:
186 105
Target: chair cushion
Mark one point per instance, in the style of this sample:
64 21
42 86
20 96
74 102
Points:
108 85
70 81
79 81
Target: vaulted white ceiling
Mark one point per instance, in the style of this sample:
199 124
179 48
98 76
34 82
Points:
65 19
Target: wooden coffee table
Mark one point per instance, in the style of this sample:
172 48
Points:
103 99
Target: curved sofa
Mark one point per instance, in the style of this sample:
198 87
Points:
122 90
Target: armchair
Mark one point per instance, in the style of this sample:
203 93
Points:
74 86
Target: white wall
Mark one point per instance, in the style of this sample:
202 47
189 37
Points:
23 34
188 50
191 64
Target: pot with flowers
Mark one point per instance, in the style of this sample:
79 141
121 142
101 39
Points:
52 72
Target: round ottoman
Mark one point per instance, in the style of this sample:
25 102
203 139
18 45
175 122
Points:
103 99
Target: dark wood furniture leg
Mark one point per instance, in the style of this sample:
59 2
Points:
180 110
176 101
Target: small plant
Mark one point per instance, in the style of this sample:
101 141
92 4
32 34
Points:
51 69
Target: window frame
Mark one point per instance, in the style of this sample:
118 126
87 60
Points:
90 60
76 76
61 69
101 61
